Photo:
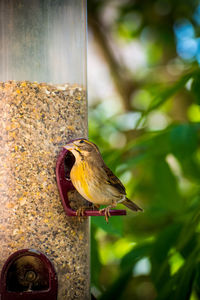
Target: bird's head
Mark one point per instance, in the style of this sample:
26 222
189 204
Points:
81 148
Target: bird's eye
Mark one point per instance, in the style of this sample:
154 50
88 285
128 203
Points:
81 141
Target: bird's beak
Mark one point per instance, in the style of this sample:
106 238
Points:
69 146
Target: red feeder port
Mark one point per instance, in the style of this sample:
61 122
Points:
28 275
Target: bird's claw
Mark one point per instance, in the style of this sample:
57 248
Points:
106 212
81 212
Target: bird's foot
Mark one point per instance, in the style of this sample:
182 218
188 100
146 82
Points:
81 212
106 212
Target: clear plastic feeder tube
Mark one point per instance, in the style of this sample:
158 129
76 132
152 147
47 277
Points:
43 41
43 105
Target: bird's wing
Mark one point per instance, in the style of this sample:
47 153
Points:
113 180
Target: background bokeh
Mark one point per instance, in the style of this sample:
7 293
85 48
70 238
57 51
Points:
144 114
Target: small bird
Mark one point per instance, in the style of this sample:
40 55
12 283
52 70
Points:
94 180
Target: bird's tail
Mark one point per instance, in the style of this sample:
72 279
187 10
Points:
131 205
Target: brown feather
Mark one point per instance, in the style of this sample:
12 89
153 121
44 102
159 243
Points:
131 205
114 181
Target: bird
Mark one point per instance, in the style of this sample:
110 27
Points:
94 180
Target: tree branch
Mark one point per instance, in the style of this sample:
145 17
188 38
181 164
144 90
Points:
121 77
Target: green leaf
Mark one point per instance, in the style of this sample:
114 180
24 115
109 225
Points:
190 167
179 287
197 281
185 281
115 225
187 236
189 245
167 93
95 260
164 242
146 148
184 140
167 196
195 88
159 256
136 254
116 290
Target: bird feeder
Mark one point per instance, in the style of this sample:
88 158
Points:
44 254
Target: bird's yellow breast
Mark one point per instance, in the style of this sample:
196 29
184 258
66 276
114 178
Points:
79 178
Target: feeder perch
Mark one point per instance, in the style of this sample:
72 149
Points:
64 164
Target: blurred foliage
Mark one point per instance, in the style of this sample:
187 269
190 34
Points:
153 146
